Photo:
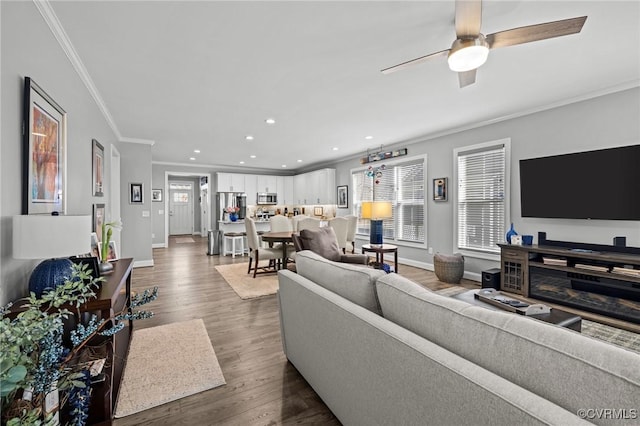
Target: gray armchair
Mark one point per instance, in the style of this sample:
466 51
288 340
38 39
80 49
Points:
323 242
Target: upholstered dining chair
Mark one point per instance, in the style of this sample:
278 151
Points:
279 223
308 223
351 232
296 220
258 253
340 226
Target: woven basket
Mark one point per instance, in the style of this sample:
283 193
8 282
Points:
449 269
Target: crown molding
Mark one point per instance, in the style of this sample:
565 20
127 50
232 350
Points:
137 140
50 17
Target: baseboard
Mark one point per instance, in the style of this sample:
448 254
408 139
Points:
143 263
158 245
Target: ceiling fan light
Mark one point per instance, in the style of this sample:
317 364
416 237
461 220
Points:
468 54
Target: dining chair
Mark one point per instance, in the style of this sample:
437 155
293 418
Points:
351 232
279 223
258 253
340 226
296 220
308 223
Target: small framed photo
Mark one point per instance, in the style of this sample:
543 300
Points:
343 197
98 220
318 211
98 168
440 189
95 245
156 195
113 252
135 193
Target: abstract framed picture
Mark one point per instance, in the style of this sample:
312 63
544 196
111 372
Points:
440 189
156 195
98 219
343 197
44 145
113 252
135 193
98 168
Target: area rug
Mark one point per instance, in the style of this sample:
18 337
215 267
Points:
183 240
623 338
244 284
166 363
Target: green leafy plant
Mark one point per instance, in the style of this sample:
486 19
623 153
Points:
33 356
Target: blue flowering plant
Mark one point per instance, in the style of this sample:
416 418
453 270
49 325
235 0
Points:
36 358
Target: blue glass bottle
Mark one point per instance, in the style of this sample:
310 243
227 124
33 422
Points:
510 233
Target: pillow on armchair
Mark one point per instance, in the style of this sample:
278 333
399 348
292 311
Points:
322 241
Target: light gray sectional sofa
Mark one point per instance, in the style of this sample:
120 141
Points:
382 350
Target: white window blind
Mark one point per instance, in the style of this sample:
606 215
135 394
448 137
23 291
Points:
403 185
481 203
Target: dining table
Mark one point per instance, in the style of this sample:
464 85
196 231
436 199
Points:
279 237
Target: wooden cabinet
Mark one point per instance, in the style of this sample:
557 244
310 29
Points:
230 182
514 271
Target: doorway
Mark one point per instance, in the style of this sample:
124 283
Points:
115 194
180 208
204 179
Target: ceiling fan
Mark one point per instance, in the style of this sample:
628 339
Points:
471 48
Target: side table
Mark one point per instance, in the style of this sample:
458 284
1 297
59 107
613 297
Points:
380 250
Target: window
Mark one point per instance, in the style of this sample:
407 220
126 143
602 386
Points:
402 183
481 198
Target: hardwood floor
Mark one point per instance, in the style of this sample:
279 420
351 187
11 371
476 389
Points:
262 387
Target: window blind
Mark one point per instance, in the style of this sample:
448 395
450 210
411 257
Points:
481 199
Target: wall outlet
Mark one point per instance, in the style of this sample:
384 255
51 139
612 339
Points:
430 250
146 213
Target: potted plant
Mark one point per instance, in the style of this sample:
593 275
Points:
39 360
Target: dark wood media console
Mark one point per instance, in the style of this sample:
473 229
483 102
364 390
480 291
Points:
599 279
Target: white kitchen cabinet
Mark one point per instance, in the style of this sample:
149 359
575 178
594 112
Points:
251 188
285 190
230 182
266 183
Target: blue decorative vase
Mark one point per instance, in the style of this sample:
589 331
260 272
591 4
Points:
49 274
510 233
233 217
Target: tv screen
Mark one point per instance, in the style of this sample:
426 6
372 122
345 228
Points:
602 184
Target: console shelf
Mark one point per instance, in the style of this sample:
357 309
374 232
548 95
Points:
616 295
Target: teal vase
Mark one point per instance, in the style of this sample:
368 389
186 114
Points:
510 233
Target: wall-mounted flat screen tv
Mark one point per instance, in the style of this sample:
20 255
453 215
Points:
601 184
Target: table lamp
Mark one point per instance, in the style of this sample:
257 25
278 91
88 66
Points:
376 211
53 238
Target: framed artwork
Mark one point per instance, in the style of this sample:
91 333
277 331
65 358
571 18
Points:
156 195
440 189
343 197
44 152
95 245
113 252
135 193
98 168
98 220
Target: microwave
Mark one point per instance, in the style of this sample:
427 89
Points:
266 198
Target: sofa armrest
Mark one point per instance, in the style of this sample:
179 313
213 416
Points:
360 259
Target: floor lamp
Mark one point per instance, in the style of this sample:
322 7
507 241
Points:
376 211
53 238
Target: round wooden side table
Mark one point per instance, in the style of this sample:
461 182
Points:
380 250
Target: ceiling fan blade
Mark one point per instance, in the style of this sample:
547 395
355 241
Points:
535 32
415 61
466 78
468 18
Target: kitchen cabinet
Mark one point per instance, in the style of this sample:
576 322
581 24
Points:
317 187
251 188
267 183
285 190
230 182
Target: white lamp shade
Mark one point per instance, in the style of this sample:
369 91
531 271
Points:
377 210
43 236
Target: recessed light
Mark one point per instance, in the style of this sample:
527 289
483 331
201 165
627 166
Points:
192 158
284 165
299 161
335 148
242 162
270 121
249 137
197 151
252 156
368 137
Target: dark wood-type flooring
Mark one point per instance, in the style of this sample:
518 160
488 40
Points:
262 387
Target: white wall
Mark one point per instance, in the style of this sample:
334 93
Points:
29 48
606 121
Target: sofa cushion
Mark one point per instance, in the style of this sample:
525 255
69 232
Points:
563 366
354 283
322 241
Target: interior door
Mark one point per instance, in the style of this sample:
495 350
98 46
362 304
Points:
180 208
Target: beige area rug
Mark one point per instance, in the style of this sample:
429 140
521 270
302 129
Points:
183 240
244 284
623 338
166 363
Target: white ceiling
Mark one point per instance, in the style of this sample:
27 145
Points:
204 74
